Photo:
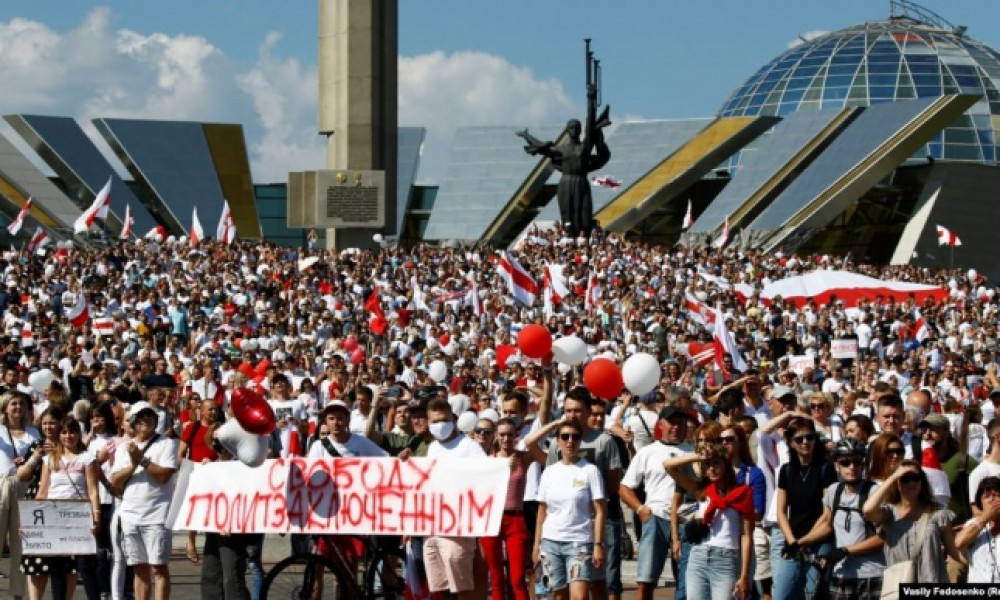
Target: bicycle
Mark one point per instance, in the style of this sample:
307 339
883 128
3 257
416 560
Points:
311 576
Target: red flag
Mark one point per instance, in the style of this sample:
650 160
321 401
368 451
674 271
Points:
18 221
295 444
373 304
947 238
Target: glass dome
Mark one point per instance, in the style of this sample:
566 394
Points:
885 61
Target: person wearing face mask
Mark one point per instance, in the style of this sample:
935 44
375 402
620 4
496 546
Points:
453 564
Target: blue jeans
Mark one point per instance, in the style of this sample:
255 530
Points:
255 549
612 571
654 549
793 579
712 572
680 576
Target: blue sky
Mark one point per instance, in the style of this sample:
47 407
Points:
462 62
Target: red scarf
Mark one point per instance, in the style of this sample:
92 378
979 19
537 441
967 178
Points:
740 499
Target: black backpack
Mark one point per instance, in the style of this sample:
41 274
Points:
866 487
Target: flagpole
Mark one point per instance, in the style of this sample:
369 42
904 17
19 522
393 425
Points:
952 267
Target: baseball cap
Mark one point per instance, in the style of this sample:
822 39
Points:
675 411
333 405
141 409
935 421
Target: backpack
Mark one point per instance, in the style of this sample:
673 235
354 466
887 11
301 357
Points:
866 487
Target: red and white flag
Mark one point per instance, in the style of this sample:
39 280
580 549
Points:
701 354
553 287
157 234
80 313
197 233
98 210
103 325
38 239
225 232
373 304
698 311
592 298
472 297
606 181
127 224
688 217
520 283
922 329
725 344
723 239
27 335
946 237
18 221
940 488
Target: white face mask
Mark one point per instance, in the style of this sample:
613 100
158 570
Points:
442 430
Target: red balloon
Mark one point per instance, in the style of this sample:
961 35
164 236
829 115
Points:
535 341
252 411
603 378
350 344
238 343
358 356
444 339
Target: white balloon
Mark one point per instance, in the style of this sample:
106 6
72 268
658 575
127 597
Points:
248 448
437 371
171 239
467 421
641 372
570 350
377 238
41 380
451 348
563 368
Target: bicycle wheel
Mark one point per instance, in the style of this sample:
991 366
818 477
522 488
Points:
305 576
384 578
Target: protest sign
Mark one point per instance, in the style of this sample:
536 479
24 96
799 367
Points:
451 496
56 527
800 363
844 348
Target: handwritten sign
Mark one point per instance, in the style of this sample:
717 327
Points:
457 497
845 348
56 527
800 363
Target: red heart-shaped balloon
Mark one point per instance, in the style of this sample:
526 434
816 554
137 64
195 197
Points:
252 411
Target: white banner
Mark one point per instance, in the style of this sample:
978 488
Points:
845 348
56 527
800 363
450 496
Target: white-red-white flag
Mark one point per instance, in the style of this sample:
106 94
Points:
723 239
922 329
197 233
931 464
688 217
157 234
521 285
554 287
606 181
27 336
18 222
38 239
725 344
97 210
80 313
698 311
594 293
946 237
127 223
103 325
225 231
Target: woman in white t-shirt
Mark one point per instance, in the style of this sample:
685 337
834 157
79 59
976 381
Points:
569 540
69 473
17 436
980 537
722 539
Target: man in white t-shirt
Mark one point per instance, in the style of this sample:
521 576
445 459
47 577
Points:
144 468
291 414
452 562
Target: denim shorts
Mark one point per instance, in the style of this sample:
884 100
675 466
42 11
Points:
654 549
565 562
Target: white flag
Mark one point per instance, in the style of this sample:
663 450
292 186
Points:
197 233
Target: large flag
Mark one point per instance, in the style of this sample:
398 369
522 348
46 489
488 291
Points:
197 233
592 298
373 304
724 236
947 238
18 221
127 223
80 313
38 239
225 232
698 311
520 284
688 217
98 210
725 344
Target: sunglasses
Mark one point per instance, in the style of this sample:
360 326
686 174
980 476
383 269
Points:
895 452
850 462
575 437
728 439
802 439
911 478
817 406
479 431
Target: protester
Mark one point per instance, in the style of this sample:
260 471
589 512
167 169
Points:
17 436
979 535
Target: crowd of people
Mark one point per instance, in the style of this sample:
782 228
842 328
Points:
748 478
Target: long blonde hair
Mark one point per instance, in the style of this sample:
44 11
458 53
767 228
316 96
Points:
9 397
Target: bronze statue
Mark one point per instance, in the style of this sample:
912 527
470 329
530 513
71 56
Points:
576 158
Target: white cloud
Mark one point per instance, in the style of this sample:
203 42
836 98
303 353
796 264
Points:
807 37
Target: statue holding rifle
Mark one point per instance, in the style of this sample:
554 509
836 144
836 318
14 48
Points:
575 158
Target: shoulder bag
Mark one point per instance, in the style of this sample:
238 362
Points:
905 571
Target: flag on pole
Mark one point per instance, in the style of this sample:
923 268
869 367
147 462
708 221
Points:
698 311
18 221
157 234
197 233
520 284
725 344
724 237
592 298
127 223
688 217
225 232
947 238
80 313
98 210
38 239
606 181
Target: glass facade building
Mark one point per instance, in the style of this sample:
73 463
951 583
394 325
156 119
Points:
885 61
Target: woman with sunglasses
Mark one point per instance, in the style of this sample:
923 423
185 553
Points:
485 434
799 502
821 410
913 527
569 538
721 538
734 440
885 455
